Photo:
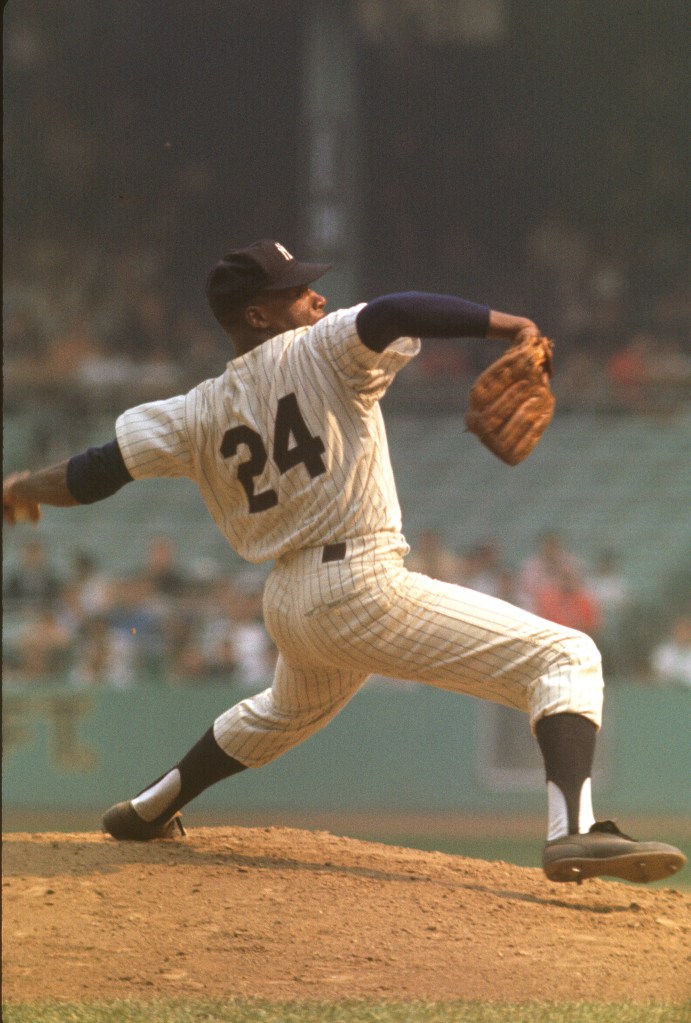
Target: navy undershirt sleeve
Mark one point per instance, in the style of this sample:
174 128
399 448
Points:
97 473
419 314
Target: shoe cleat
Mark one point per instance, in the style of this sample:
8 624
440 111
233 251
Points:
605 851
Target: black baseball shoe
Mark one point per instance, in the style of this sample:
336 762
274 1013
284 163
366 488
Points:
124 823
605 852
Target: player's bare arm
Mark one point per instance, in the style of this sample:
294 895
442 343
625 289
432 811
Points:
83 479
505 327
24 492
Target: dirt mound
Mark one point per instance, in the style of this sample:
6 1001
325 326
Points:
285 914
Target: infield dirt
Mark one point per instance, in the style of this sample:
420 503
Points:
286 914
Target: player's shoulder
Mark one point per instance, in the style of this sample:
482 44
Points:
332 329
343 318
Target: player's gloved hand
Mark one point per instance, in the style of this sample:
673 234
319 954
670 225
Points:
529 334
511 402
524 333
15 508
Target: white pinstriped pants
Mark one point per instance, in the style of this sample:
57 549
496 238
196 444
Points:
335 624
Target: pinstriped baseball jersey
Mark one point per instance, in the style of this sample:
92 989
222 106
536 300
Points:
288 446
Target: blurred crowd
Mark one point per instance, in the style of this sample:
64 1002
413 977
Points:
103 330
103 295
167 625
620 321
72 338
161 625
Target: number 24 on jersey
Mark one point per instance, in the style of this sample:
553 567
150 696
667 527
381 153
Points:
292 444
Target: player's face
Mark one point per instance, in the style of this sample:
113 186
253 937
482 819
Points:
289 308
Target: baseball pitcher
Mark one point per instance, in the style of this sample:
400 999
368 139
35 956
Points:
289 451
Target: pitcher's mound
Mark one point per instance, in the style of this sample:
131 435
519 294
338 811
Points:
284 914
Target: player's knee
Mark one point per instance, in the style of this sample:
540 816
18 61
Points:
589 652
580 651
581 668
585 669
574 683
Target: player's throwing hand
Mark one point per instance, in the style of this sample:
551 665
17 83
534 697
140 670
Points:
15 507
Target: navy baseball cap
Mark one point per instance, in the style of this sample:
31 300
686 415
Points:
265 265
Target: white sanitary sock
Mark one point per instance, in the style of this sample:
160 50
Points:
558 818
152 802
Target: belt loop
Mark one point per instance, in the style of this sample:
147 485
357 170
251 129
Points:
334 552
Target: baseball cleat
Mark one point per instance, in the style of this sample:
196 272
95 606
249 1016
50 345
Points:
124 823
606 852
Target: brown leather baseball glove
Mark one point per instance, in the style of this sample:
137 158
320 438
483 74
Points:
511 403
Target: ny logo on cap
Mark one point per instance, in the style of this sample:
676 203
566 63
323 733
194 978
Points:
284 252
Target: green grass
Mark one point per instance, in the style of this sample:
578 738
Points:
259 1011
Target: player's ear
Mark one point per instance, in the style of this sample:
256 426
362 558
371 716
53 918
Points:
255 317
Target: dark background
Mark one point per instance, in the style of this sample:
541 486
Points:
186 126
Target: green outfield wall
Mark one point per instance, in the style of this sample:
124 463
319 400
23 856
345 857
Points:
394 747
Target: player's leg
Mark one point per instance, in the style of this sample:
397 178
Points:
301 701
407 626
567 744
577 845
252 733
154 812
563 697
